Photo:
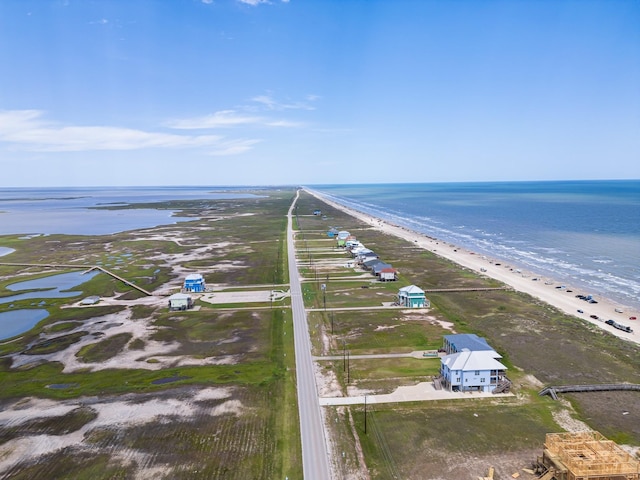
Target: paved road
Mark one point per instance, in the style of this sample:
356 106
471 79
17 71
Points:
315 460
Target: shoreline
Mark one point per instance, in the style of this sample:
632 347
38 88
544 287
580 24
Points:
544 288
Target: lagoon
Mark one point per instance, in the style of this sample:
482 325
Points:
53 286
15 322
85 211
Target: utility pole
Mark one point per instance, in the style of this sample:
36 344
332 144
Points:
348 368
365 414
324 297
344 356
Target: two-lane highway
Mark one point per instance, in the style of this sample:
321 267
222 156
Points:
315 460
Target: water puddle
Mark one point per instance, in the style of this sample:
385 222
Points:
162 381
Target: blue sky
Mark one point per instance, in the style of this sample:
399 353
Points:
231 92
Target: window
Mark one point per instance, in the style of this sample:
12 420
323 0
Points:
482 380
476 373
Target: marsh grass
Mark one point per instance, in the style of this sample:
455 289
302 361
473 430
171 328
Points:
535 339
105 349
446 431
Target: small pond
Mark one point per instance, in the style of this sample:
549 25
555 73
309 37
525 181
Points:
18 321
53 286
62 386
6 251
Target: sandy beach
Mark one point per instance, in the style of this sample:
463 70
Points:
550 290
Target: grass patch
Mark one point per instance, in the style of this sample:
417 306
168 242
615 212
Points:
105 349
55 344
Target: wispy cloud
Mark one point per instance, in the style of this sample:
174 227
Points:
234 147
228 119
259 2
272 104
27 130
221 119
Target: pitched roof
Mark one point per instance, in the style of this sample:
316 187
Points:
478 360
179 296
194 276
411 289
469 341
373 261
378 267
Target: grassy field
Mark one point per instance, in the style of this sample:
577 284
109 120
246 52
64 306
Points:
223 378
539 344
245 355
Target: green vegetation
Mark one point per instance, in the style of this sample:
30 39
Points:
534 339
246 241
249 351
55 344
57 425
105 349
462 429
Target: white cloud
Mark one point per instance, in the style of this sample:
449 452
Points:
253 2
233 147
223 118
258 2
269 102
283 123
227 119
26 130
207 2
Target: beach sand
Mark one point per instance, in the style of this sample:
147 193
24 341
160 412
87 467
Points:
543 288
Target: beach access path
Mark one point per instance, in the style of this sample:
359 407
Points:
543 289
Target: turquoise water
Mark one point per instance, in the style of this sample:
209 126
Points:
585 233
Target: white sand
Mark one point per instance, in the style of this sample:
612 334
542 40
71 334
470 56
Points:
521 281
119 413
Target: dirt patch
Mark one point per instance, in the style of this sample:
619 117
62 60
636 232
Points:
111 415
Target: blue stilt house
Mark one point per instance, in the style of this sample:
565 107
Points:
194 283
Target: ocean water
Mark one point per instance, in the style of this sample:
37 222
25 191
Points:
582 233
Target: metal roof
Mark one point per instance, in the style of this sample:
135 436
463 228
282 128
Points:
478 360
411 289
469 341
